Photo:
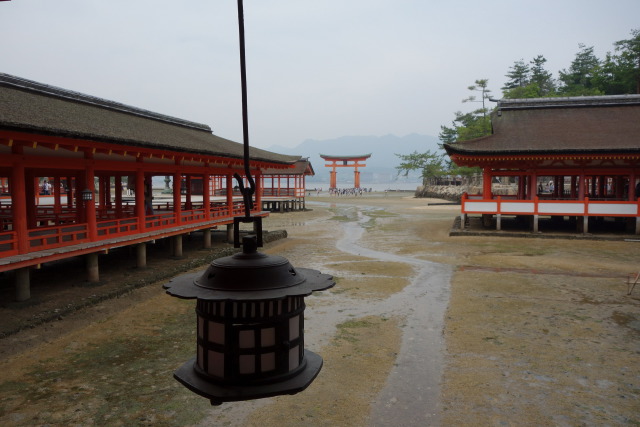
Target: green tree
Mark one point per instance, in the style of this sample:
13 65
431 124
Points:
431 164
529 80
542 78
630 57
482 87
474 124
620 72
582 76
519 75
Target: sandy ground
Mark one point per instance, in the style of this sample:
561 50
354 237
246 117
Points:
421 329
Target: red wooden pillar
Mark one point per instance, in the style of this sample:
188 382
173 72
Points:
230 194
102 196
558 187
106 185
71 184
206 196
533 185
521 191
139 194
356 178
18 200
79 182
91 205
486 183
601 186
187 205
333 178
177 196
258 192
56 189
618 185
118 196
31 191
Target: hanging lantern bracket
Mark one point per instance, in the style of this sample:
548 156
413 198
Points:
247 192
257 229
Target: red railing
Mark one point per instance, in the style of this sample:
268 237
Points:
71 233
9 243
158 221
279 192
117 227
55 237
537 206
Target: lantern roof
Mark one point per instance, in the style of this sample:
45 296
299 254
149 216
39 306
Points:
249 275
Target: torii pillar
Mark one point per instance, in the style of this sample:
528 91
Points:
345 162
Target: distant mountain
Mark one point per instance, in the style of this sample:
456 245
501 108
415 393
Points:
380 166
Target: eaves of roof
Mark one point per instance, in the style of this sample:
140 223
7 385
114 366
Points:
27 106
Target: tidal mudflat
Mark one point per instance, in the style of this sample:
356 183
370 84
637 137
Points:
421 329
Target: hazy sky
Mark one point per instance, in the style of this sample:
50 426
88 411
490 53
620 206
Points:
316 69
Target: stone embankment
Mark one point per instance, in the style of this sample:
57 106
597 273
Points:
446 192
454 192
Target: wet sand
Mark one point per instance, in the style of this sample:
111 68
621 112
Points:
421 329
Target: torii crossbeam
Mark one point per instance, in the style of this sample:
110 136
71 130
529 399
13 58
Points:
345 162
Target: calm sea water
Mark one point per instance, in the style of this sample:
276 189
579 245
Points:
394 186
158 182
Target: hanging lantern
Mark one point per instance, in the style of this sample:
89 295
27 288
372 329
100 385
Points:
87 195
250 309
250 326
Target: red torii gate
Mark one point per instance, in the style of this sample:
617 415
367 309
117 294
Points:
345 162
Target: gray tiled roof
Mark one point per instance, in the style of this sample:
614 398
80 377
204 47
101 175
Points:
302 167
608 124
29 106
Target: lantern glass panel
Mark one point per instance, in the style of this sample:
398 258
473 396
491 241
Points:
294 358
268 337
294 327
247 364
216 364
246 339
216 332
268 362
200 327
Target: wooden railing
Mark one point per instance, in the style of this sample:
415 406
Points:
54 237
117 227
67 232
9 243
537 206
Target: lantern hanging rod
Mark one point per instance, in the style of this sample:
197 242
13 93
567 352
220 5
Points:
247 193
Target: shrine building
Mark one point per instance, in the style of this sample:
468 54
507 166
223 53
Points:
284 190
76 177
571 159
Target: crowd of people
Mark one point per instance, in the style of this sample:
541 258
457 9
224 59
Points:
348 191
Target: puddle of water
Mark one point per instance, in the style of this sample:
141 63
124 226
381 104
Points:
411 395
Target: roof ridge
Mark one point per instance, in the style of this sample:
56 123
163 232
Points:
573 101
33 86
